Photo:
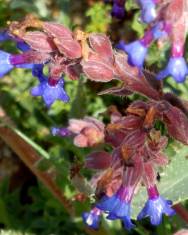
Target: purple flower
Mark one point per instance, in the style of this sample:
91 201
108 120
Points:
22 46
136 52
148 12
92 218
117 207
159 31
50 92
60 131
4 36
155 208
177 68
37 71
5 64
118 11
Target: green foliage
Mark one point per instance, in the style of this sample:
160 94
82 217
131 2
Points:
98 18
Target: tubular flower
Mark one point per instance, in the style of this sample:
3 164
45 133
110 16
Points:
118 9
92 218
50 92
155 207
5 63
177 68
148 11
117 207
60 131
137 50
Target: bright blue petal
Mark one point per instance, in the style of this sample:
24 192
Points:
158 31
23 46
177 68
5 65
118 11
155 208
24 66
91 219
127 223
107 204
50 93
136 52
36 91
148 13
4 36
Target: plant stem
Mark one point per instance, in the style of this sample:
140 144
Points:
31 159
181 211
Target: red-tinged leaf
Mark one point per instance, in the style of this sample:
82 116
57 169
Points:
57 30
93 56
102 46
122 68
177 123
69 47
160 159
174 11
31 57
39 41
138 105
141 86
73 71
131 122
118 91
135 139
177 102
132 78
115 138
97 71
98 160
151 79
149 175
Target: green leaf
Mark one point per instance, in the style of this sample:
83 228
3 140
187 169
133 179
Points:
39 149
173 181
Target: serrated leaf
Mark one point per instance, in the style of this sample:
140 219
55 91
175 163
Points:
173 181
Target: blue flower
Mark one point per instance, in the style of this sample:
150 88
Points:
116 209
158 31
92 218
155 208
5 64
22 46
37 71
176 67
4 36
50 93
60 131
118 11
148 12
136 52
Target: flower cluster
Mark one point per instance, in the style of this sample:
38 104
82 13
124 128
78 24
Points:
137 152
167 21
137 146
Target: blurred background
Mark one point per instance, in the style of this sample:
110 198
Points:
27 207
